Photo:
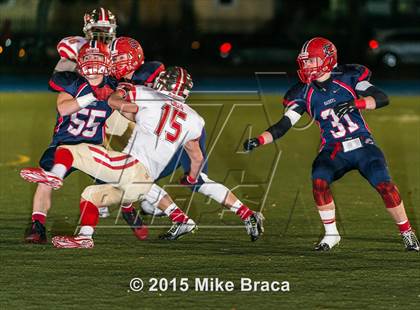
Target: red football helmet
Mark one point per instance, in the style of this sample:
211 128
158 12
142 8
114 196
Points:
317 57
94 59
127 56
100 25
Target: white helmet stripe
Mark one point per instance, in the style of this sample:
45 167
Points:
103 14
181 81
306 45
114 46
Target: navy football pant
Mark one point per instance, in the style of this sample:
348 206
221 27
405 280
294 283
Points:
368 160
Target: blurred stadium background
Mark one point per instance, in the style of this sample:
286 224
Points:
209 36
222 43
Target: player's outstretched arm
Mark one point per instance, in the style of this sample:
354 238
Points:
66 104
118 101
274 132
371 98
196 156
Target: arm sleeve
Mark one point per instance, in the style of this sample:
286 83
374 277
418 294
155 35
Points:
291 117
365 88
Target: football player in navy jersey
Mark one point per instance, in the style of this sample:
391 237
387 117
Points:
334 95
82 110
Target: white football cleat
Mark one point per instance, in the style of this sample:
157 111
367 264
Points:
39 175
254 225
179 229
72 242
103 212
410 241
328 242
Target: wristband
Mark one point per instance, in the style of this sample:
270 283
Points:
85 100
191 180
261 140
360 103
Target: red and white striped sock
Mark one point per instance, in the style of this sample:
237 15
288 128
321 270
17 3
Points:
39 216
176 214
244 212
63 160
328 219
127 208
404 226
89 218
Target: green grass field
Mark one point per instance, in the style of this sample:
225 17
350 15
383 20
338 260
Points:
370 268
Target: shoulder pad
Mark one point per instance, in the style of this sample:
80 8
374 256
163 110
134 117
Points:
357 72
69 47
297 91
65 81
148 72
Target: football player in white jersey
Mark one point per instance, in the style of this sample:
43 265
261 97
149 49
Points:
100 25
164 123
130 174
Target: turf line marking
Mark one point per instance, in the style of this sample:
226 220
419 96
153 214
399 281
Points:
22 159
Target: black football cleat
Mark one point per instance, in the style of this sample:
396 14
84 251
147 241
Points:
136 224
410 241
37 234
322 247
254 225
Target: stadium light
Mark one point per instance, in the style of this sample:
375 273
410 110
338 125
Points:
21 53
195 45
1 49
373 44
225 49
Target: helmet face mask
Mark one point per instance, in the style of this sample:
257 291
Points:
317 57
100 25
127 56
94 60
175 82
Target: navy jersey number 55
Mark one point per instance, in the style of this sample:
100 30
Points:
86 125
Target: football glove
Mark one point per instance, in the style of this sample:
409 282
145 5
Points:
343 108
251 144
125 88
103 93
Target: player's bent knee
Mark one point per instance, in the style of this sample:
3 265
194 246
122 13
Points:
389 193
102 195
321 191
212 189
154 195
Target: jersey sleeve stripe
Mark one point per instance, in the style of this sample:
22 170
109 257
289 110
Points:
151 78
364 75
64 48
288 103
55 86
346 87
80 89
308 101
